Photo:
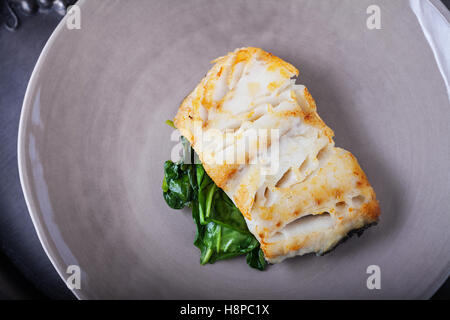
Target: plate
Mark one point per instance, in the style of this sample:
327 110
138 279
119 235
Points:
92 143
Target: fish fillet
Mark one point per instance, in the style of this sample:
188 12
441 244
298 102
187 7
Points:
314 195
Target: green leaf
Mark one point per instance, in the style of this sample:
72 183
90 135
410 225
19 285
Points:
219 242
170 123
225 213
221 229
177 189
165 186
255 259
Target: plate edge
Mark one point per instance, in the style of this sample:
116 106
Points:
21 161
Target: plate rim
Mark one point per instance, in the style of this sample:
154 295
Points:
21 158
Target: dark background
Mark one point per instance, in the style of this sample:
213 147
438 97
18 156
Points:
25 270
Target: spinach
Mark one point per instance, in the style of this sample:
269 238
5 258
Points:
170 123
221 229
177 188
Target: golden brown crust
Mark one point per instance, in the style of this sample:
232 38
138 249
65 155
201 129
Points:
317 195
313 118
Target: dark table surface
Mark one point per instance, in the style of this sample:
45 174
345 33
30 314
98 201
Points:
25 270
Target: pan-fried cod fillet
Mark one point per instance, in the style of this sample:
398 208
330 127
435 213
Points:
314 195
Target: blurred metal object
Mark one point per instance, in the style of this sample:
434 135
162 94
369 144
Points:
9 9
45 3
27 7
8 16
60 6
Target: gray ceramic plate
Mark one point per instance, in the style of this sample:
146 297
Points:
93 141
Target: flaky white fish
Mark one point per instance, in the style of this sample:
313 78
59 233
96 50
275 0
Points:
317 193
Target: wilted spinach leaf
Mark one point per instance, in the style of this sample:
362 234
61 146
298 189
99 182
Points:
177 188
219 242
255 259
224 212
221 229
170 123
